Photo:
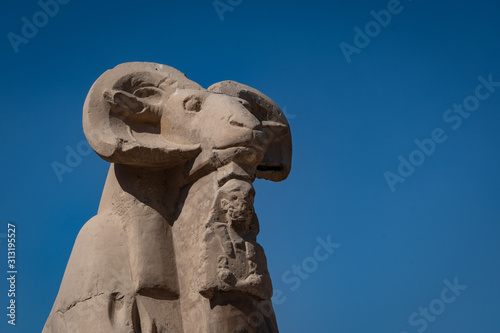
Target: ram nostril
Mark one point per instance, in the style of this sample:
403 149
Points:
252 124
235 122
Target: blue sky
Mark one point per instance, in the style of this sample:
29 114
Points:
353 119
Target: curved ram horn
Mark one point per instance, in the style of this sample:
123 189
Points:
122 115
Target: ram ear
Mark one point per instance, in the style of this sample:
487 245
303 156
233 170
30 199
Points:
122 116
277 160
143 106
121 102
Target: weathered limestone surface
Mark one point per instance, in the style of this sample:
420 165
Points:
173 246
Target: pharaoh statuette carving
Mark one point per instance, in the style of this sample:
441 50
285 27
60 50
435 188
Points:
232 260
173 246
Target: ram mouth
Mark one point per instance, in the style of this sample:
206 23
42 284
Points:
275 172
269 167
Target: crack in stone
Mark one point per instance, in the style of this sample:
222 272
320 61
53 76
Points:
72 305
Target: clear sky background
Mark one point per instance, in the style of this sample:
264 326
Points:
401 245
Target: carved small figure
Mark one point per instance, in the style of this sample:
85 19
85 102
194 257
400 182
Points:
229 244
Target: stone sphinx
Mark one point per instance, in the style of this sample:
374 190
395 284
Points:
173 245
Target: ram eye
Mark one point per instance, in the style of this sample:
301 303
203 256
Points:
148 92
192 104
